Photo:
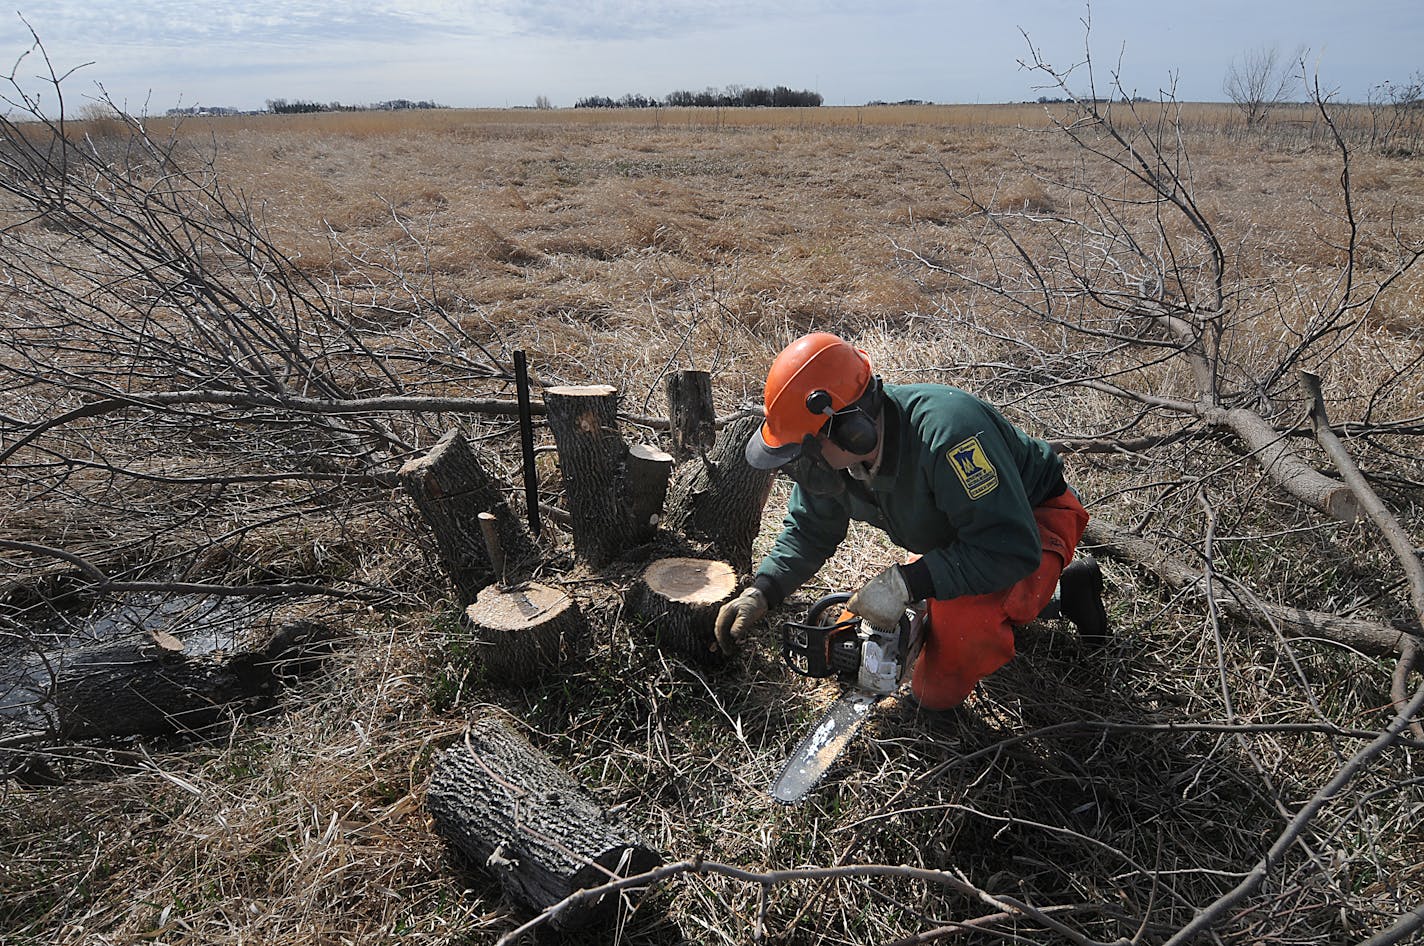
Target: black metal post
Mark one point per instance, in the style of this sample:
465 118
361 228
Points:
526 441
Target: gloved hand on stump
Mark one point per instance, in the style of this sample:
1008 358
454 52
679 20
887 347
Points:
736 618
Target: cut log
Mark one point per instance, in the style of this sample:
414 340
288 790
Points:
679 599
718 498
692 421
584 421
648 472
155 666
451 488
516 630
510 810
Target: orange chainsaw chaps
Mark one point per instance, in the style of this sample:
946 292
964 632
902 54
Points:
969 637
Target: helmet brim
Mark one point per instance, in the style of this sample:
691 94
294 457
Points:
763 456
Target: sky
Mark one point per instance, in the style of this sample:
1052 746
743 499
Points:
152 55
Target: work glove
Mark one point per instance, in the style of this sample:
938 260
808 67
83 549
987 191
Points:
881 603
737 617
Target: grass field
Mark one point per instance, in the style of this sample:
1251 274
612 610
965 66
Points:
614 247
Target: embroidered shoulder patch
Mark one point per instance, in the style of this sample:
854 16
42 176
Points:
972 466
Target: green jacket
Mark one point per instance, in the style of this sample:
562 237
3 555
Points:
957 484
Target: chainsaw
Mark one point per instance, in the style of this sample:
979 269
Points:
871 663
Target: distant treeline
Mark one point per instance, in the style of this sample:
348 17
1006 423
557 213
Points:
1046 100
298 107
733 96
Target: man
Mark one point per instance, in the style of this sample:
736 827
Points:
982 504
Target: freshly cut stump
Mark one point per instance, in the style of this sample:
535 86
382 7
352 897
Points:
509 809
516 630
680 598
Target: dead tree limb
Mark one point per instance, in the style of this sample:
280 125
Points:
1212 916
1369 637
1384 520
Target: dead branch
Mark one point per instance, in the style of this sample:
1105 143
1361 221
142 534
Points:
1212 915
1010 908
1384 520
1368 637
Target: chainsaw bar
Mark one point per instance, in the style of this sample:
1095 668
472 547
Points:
823 745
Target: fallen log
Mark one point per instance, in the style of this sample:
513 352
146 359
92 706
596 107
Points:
158 666
678 598
508 809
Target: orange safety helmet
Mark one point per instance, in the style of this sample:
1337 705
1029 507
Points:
812 379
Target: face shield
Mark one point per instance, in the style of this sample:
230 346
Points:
811 472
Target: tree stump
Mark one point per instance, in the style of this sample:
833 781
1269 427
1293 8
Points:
584 421
516 630
648 472
509 809
680 598
718 497
694 422
451 489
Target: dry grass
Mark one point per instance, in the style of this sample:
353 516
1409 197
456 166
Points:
613 247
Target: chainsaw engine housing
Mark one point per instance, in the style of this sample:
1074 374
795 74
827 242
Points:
832 642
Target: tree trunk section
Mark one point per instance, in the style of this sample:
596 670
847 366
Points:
516 630
451 489
693 421
679 599
510 810
718 499
584 421
649 470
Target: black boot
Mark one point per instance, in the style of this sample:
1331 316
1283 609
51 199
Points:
1080 591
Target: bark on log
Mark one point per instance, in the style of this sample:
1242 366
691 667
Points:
516 630
718 498
693 423
584 421
679 599
152 672
649 470
1369 637
510 810
451 488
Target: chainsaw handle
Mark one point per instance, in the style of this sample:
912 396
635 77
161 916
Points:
818 649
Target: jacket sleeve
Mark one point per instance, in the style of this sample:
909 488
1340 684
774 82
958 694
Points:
814 527
975 482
